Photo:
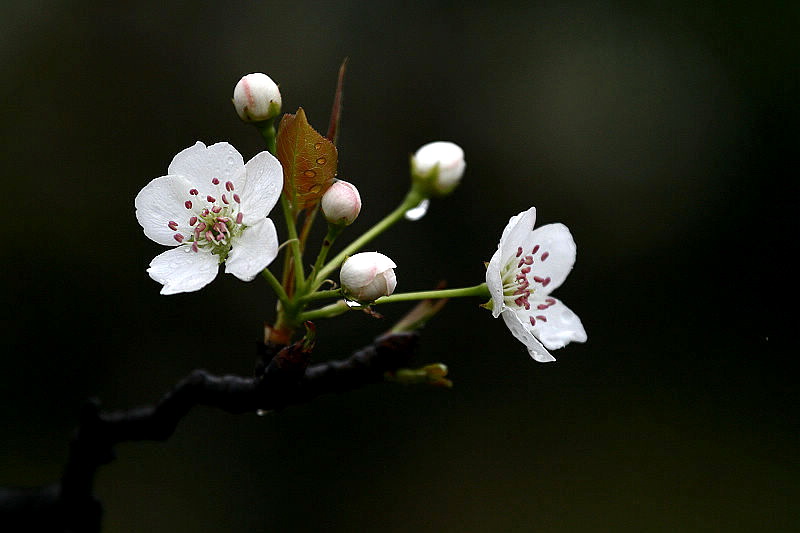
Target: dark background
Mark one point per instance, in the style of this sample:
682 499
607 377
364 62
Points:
664 134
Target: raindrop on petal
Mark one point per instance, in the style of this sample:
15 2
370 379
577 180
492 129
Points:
416 213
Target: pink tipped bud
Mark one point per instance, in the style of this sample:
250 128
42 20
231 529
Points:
341 203
256 97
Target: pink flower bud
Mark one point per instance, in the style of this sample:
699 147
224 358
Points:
341 203
367 276
256 97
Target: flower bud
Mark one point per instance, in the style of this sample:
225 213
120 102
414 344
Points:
256 97
439 165
367 276
341 203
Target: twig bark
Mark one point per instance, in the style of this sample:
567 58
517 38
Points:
283 378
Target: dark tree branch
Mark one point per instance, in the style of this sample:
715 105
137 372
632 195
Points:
283 378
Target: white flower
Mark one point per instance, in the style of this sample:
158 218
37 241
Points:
367 276
256 97
212 208
441 161
526 267
341 203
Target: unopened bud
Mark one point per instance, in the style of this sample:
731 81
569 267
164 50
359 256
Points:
256 97
367 276
341 203
439 165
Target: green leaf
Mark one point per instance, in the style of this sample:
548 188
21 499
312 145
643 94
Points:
309 161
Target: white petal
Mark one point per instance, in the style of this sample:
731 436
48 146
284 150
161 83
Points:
560 325
181 270
391 281
252 251
161 201
200 164
260 188
553 259
523 334
516 232
494 282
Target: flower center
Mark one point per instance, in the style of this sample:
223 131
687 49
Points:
518 280
212 223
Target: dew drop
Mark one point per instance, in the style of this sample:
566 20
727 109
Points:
416 213
321 161
317 146
309 173
314 189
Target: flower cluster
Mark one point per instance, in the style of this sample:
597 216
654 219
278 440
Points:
212 208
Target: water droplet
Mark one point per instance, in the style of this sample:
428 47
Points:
318 146
321 161
314 189
416 213
309 173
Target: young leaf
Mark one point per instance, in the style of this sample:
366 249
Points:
309 161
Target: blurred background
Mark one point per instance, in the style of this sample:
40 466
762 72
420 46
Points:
664 134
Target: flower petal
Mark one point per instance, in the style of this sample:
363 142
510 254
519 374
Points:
200 164
517 232
181 270
260 187
253 250
158 203
554 324
523 334
494 282
553 259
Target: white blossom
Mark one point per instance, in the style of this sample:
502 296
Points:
212 208
367 276
526 267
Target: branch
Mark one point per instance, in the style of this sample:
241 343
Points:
282 378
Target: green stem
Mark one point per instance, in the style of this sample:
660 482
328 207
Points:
478 290
276 286
327 242
321 295
412 199
341 307
267 130
294 242
329 311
